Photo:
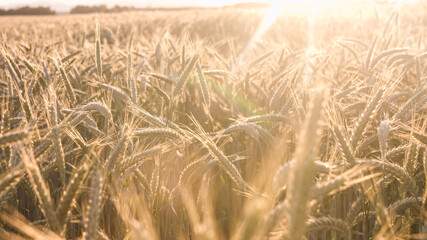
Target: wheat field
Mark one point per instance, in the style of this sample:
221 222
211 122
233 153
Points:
196 124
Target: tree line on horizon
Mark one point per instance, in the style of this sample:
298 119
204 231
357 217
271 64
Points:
27 10
101 8
81 9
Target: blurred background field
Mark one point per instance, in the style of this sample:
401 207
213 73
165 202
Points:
239 122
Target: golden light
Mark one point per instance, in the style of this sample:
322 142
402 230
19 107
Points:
316 2
269 18
404 1
277 6
230 2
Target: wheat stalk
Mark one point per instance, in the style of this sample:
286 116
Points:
334 224
40 189
14 137
303 171
67 84
57 143
203 85
70 194
93 209
11 179
99 107
116 153
98 50
366 116
184 76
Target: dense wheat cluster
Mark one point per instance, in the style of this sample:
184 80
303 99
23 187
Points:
181 125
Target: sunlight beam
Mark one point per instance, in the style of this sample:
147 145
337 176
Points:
269 18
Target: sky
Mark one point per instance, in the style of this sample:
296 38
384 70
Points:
66 5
